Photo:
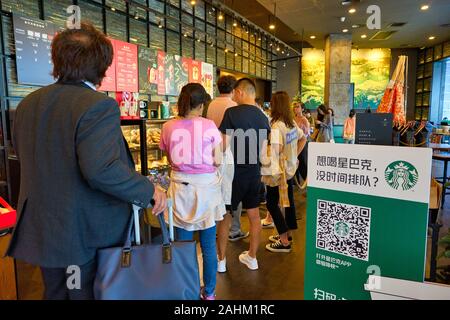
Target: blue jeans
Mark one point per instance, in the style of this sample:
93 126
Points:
209 253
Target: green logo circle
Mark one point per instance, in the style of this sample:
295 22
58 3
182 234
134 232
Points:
401 175
341 229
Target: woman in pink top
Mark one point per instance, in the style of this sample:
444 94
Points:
193 144
349 128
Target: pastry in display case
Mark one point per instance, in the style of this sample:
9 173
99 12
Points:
157 163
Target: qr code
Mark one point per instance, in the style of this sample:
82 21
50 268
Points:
343 229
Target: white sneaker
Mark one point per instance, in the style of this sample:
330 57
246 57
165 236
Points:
222 266
250 262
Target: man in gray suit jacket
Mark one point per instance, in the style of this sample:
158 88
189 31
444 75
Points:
77 176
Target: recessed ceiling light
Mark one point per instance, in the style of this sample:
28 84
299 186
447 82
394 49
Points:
352 10
313 37
355 26
363 36
431 38
424 7
345 30
272 27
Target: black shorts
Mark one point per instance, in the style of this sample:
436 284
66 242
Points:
246 190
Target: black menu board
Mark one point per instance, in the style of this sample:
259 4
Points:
374 128
33 38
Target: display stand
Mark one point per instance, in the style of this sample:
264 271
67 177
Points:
382 288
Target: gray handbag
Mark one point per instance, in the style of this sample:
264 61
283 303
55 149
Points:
148 272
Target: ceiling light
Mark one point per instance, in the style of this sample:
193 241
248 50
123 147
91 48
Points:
342 19
431 38
424 7
352 10
288 54
278 49
185 35
136 17
346 2
193 2
355 26
226 50
113 9
220 16
235 24
235 54
312 37
272 27
363 36
345 30
198 40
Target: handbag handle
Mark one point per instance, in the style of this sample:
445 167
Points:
134 222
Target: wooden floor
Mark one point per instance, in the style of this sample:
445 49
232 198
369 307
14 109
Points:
280 276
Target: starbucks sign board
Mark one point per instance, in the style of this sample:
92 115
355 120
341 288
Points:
367 213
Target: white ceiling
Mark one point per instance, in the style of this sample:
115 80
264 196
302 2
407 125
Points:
322 17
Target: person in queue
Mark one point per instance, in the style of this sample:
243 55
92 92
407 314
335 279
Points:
216 111
350 128
194 146
324 124
246 128
287 141
78 179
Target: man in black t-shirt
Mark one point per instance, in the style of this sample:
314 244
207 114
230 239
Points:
246 128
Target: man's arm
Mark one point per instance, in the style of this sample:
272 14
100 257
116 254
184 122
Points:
224 126
98 142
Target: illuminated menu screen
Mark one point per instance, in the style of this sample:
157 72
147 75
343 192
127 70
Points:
33 38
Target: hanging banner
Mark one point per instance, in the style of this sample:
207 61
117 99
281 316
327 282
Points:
367 214
126 66
33 38
170 85
208 78
148 70
195 72
161 73
181 73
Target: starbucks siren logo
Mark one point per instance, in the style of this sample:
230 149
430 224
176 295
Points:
341 229
401 175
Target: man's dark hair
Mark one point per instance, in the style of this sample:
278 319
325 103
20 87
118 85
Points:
192 96
81 55
226 84
246 84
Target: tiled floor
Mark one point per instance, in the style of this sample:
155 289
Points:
280 275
